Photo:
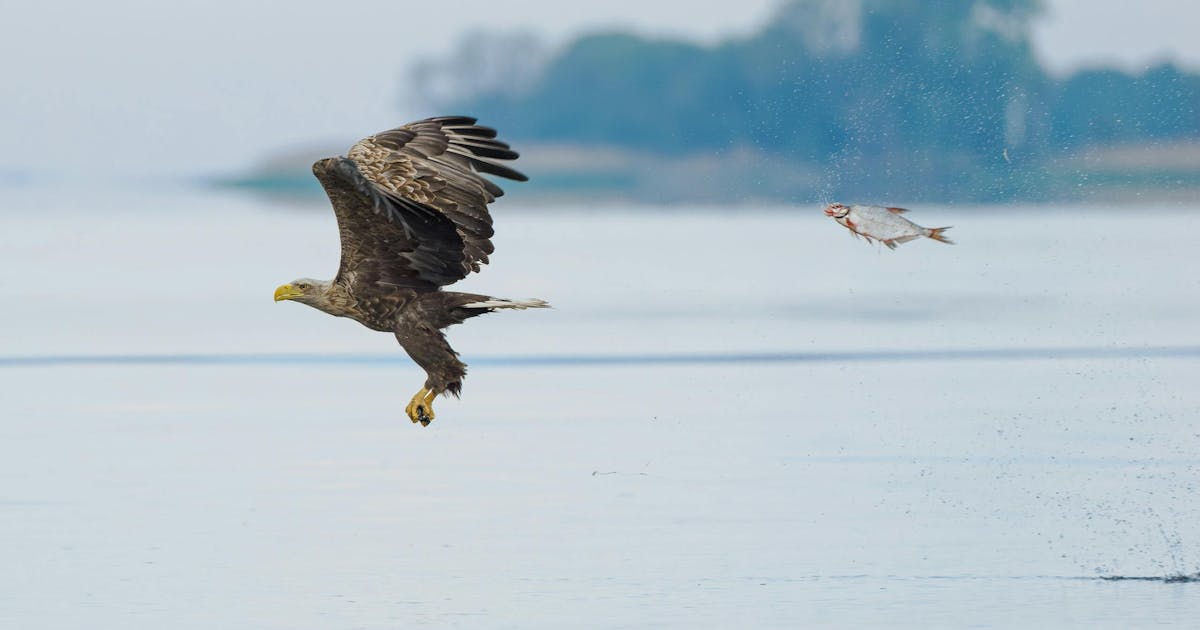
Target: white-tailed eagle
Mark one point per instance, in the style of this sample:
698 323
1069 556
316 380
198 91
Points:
412 210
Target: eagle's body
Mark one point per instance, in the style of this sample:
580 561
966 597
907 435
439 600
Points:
412 213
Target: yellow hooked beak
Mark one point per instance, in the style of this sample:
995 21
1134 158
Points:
287 292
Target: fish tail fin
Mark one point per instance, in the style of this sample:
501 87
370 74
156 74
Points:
937 235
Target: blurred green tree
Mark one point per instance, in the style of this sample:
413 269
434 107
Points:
899 96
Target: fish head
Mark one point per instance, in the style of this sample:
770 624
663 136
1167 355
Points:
837 210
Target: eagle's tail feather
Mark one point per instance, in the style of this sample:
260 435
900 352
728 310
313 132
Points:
493 304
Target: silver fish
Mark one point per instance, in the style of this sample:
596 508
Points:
882 224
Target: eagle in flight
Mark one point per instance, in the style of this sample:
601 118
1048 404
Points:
412 211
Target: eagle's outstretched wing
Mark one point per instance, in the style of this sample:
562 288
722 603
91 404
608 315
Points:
411 204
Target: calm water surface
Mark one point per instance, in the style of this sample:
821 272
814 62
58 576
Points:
732 417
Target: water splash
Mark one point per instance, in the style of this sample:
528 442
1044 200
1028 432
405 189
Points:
1175 578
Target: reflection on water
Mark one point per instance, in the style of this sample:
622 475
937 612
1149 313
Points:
802 431
918 356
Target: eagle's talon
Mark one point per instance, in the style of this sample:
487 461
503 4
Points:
420 408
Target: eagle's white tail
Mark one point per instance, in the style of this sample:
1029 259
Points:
497 303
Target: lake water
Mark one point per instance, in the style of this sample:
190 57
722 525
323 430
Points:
733 417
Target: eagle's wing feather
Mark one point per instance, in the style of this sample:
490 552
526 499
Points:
388 240
411 204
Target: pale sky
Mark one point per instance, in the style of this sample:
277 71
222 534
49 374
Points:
202 86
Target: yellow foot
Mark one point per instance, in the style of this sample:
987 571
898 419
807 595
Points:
420 408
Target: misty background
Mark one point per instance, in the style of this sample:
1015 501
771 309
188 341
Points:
735 415
795 100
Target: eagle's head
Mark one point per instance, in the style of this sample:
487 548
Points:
304 290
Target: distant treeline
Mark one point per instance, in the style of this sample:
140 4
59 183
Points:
903 98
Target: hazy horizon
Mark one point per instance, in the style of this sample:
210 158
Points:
140 89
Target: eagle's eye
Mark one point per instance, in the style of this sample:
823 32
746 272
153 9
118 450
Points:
303 286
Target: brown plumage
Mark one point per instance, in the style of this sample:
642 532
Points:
412 212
